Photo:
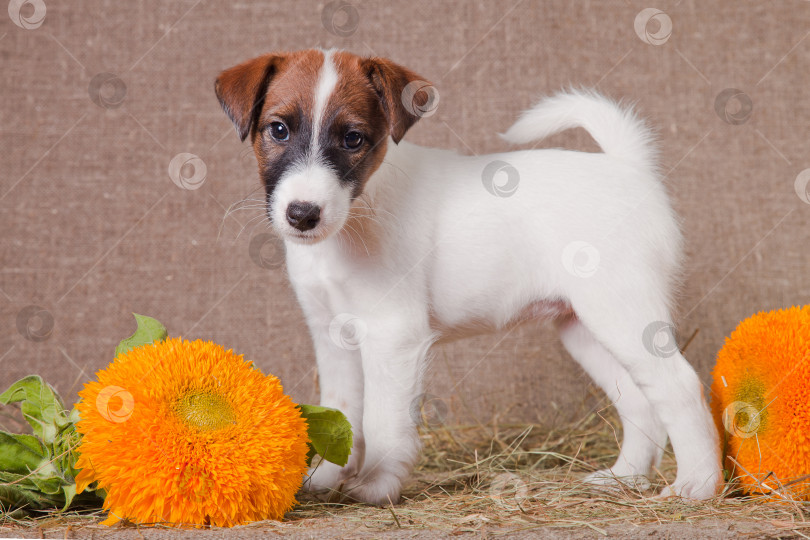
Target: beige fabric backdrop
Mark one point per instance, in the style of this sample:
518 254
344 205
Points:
94 228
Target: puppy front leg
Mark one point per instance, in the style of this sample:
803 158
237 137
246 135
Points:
340 377
393 361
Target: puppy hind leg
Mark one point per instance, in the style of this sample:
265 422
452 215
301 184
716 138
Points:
644 438
664 377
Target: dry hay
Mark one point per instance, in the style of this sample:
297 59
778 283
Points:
501 479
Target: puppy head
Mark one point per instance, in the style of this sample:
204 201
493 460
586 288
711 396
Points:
319 122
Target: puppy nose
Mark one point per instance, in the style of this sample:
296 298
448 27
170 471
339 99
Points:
303 215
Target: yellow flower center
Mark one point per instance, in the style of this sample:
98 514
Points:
206 412
751 412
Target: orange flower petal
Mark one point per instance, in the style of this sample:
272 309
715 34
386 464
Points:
83 479
111 520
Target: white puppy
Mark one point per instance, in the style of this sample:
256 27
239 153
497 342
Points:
391 246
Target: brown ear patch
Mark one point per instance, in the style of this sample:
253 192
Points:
284 77
241 90
405 96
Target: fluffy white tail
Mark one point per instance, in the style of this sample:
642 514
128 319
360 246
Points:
616 129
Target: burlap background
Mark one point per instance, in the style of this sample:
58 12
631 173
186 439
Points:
94 228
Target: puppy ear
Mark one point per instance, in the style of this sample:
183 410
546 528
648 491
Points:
402 102
241 90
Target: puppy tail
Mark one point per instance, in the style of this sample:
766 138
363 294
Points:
615 128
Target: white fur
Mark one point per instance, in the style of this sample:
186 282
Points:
327 81
439 252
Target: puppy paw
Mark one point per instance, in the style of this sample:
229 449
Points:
617 480
331 483
323 479
380 489
695 488
326 480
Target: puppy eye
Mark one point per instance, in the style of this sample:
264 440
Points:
279 131
352 140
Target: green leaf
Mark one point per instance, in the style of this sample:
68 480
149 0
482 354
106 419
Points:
23 469
18 454
47 484
65 452
37 472
41 406
69 492
9 477
16 496
330 434
149 331
31 442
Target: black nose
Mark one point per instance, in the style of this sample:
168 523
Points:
303 215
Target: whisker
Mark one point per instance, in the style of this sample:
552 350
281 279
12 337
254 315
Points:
359 237
251 220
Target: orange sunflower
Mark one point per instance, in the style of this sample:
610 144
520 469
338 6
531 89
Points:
188 433
761 402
